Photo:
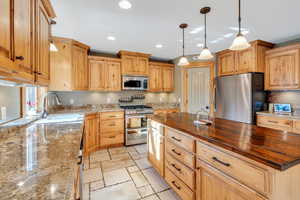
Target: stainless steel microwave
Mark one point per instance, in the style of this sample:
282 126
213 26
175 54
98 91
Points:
134 83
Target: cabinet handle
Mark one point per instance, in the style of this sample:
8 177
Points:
174 183
221 162
178 169
179 154
174 138
274 122
14 71
19 57
112 116
112 124
112 137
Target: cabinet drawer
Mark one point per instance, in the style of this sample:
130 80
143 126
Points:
278 123
111 115
112 125
181 140
112 138
180 154
249 174
178 186
184 173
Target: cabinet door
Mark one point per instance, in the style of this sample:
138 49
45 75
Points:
214 185
80 69
5 27
98 78
168 79
226 63
155 76
142 66
23 41
296 126
283 70
156 149
246 61
128 65
114 76
92 136
43 52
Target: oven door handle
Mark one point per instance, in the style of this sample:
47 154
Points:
135 116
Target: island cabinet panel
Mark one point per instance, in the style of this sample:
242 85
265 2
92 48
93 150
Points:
248 60
156 144
69 65
104 74
255 177
179 186
214 185
134 63
283 68
91 134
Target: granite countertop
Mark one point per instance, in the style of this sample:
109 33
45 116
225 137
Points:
38 160
87 109
288 115
157 106
277 149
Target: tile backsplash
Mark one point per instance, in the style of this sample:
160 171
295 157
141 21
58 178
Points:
89 97
291 97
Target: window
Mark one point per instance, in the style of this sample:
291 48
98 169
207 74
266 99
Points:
34 100
10 103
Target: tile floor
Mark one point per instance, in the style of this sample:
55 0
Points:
123 173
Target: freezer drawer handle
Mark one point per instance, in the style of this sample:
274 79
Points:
221 162
178 169
179 154
174 183
174 138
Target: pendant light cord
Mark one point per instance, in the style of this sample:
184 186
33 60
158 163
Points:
183 45
205 45
240 18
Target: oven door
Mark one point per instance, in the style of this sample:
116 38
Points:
136 129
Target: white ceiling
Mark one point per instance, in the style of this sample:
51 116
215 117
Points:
152 22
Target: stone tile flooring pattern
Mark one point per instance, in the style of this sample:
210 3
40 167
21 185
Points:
123 173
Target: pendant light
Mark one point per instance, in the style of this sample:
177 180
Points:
205 53
183 60
240 42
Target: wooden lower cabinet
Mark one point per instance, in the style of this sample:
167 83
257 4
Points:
166 111
91 133
156 149
214 185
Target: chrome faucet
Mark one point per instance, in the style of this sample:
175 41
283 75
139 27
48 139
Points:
202 110
45 104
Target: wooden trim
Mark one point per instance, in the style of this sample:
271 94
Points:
284 48
49 8
103 58
70 41
130 53
162 64
185 78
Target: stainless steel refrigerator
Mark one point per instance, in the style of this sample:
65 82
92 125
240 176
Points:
239 97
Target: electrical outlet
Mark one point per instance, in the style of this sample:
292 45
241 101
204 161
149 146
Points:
3 113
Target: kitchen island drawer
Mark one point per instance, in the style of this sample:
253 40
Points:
247 173
181 140
111 115
112 125
111 138
181 171
180 154
178 186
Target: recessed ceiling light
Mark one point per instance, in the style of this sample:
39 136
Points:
200 45
112 38
159 46
125 4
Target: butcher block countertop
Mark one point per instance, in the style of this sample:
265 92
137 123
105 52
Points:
277 149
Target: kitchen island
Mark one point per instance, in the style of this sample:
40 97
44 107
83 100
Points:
238 160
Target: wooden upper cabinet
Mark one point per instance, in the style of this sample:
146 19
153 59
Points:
80 68
168 79
226 62
248 60
105 73
69 65
23 40
161 77
42 69
5 27
134 63
283 68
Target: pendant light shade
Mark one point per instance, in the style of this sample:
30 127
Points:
205 53
240 42
183 60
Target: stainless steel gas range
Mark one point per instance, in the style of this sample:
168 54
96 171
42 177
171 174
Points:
136 123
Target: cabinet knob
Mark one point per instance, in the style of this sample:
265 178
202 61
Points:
19 57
